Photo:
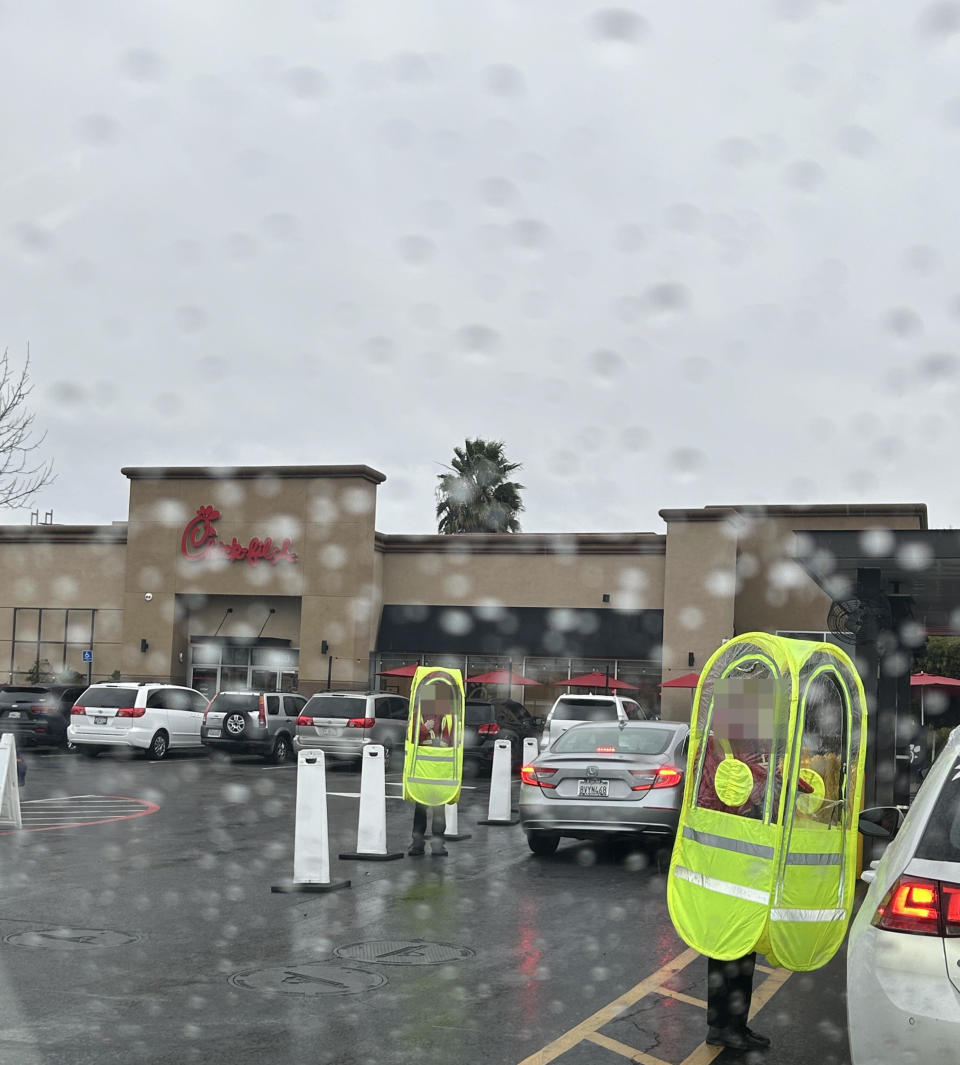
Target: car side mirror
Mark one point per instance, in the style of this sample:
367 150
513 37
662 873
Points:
881 822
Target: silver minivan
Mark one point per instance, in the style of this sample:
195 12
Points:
571 710
341 724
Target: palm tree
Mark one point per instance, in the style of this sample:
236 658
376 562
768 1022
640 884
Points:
476 495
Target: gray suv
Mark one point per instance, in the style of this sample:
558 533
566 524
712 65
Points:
341 724
244 722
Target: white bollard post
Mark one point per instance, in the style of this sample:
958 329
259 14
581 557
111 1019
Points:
9 788
372 819
452 830
530 750
499 810
311 852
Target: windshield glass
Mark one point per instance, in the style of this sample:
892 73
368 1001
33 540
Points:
338 706
108 698
587 738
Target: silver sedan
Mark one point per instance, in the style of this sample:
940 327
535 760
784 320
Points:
603 781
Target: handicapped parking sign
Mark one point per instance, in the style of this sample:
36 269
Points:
87 656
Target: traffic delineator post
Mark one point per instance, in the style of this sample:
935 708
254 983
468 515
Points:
311 849
9 788
372 819
499 809
452 830
530 750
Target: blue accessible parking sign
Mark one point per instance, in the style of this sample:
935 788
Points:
87 656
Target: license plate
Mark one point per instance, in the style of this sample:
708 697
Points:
99 720
327 731
213 733
593 789
14 713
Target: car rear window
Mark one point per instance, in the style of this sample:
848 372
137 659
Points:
478 713
941 838
344 706
242 701
587 739
581 710
108 697
12 696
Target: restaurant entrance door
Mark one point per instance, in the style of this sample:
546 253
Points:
232 663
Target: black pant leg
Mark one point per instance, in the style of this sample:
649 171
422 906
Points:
439 821
419 820
729 991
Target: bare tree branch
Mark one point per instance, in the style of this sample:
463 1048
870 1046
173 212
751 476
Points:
22 473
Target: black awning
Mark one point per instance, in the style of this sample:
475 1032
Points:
550 632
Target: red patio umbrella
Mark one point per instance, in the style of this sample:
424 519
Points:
688 680
595 680
400 671
931 680
501 676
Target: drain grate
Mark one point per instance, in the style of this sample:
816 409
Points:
309 979
404 952
69 938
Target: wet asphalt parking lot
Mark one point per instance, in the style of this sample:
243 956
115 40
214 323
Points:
148 933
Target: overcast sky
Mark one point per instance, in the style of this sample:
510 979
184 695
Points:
671 254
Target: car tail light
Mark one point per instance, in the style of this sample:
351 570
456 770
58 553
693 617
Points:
533 774
489 728
361 722
42 708
663 777
920 906
132 711
80 711
301 720
606 750
262 712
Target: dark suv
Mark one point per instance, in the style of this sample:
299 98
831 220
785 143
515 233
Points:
244 722
481 730
38 714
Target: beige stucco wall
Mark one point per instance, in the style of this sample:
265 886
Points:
698 603
81 575
559 578
330 522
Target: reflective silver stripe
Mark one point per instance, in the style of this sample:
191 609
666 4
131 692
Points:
431 780
723 887
708 839
436 758
814 859
808 915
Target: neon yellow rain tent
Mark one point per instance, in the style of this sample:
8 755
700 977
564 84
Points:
433 765
766 850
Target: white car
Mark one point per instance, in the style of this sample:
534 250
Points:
571 710
149 717
903 954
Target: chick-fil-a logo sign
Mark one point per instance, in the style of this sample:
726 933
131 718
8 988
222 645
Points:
200 540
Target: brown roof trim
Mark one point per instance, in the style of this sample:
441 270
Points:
249 473
794 512
526 543
64 534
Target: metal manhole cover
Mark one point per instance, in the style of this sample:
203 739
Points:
68 938
404 952
311 978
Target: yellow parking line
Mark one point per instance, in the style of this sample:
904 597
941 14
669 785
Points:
589 1029
624 1051
681 997
612 1010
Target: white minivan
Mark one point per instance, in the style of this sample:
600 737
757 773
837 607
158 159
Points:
152 718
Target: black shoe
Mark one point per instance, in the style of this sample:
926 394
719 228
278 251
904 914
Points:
732 1038
416 850
760 1042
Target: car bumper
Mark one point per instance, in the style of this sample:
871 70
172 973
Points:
599 819
34 734
341 750
901 1005
105 736
252 746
